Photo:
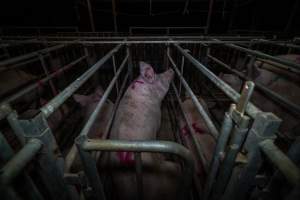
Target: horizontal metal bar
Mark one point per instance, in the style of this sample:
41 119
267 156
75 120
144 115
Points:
271 94
30 55
266 56
279 44
231 93
99 106
281 161
155 146
50 107
42 81
15 165
236 37
21 64
210 125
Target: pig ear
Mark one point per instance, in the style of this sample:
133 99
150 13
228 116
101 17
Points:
147 72
81 99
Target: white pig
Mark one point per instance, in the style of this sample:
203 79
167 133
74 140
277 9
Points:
138 118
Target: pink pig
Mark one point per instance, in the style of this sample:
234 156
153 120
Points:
205 140
138 118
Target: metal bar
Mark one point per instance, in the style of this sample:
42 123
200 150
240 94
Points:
266 56
139 175
271 94
154 146
199 149
20 64
73 152
90 169
281 161
210 10
30 55
27 183
181 71
114 12
219 151
50 107
42 81
280 44
115 71
210 125
99 106
46 71
15 165
91 15
231 93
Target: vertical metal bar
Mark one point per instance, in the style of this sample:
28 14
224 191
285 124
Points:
139 175
14 123
130 65
114 12
90 169
115 71
91 15
210 9
219 151
181 71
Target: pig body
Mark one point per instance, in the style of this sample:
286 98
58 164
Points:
205 140
138 118
88 104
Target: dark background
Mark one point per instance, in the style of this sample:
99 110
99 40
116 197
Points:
262 15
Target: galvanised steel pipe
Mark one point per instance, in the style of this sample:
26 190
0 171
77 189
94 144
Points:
279 44
281 161
210 125
155 146
231 93
273 95
266 56
14 166
30 55
99 106
50 107
42 81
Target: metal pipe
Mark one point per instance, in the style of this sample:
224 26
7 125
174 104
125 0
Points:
91 15
210 125
266 56
30 55
281 161
99 106
15 165
50 107
42 81
154 146
280 44
114 12
210 9
219 151
139 175
231 93
271 94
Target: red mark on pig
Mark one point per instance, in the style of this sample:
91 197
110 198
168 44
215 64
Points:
125 158
134 83
197 129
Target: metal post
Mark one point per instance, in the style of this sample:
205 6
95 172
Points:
90 169
130 64
210 9
219 150
91 15
115 71
114 12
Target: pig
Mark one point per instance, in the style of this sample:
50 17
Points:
206 141
234 81
138 118
88 104
280 85
12 79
